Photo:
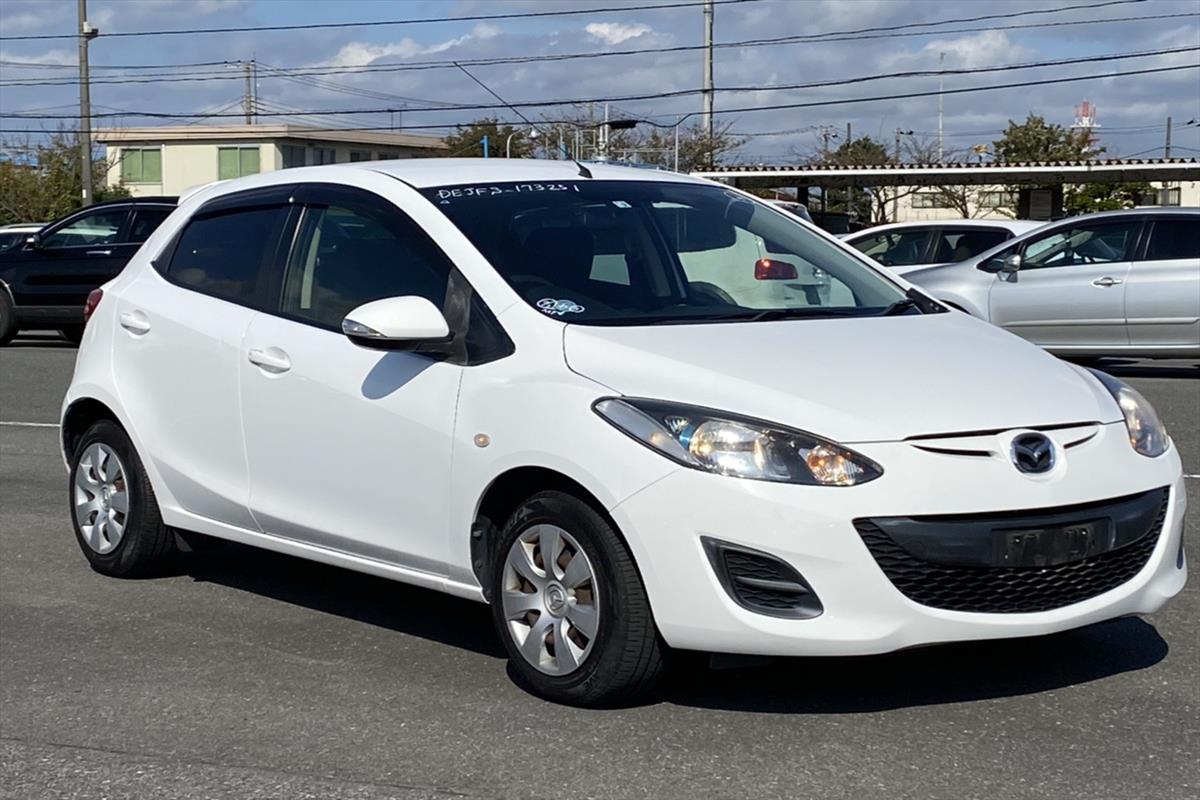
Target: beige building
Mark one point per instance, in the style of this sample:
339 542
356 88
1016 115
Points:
170 160
997 202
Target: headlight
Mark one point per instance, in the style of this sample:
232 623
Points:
731 445
1146 432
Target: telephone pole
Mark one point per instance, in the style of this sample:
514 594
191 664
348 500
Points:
1167 144
708 76
248 95
86 34
941 106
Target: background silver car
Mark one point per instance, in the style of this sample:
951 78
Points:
1114 283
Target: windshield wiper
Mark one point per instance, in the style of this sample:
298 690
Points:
770 314
912 299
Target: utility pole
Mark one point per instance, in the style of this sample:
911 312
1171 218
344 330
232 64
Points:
708 77
896 191
1167 145
248 95
86 34
941 105
1165 193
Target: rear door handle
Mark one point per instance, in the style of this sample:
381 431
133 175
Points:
271 360
1106 281
135 322
99 252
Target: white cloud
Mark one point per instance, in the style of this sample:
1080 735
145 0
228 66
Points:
360 54
615 32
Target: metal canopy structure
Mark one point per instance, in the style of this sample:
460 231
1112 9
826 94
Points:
1032 173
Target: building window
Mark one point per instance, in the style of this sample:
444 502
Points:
141 164
293 155
360 155
324 155
1160 197
997 200
234 162
386 156
930 200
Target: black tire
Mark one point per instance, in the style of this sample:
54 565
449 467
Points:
146 546
74 335
8 319
627 654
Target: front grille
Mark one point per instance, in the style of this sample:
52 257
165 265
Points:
761 582
1021 589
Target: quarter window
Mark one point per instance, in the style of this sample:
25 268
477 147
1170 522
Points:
235 162
141 165
221 255
349 255
1081 244
1174 239
91 229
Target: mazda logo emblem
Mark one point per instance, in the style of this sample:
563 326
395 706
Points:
1032 453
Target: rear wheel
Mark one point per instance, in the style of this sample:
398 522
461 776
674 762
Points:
113 508
569 605
8 319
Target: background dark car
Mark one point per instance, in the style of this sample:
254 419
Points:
45 281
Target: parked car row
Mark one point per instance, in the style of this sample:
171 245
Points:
47 272
1107 284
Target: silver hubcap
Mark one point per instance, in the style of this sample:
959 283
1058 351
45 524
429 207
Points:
101 498
550 599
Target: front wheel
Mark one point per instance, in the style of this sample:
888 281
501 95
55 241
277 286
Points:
569 605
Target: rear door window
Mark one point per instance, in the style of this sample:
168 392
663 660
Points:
1174 239
895 248
222 254
145 221
959 244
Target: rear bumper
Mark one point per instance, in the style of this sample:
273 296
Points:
812 530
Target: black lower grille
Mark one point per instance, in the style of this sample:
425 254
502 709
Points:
1013 589
761 582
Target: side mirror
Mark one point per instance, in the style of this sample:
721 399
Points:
1011 263
33 241
398 323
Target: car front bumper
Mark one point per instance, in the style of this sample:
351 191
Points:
863 612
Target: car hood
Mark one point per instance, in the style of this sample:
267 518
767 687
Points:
848 379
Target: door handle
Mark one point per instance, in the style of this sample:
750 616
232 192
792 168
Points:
99 252
1106 281
271 360
135 322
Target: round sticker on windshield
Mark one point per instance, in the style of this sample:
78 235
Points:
559 307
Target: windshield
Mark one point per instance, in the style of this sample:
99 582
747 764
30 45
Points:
635 253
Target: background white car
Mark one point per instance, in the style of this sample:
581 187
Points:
911 244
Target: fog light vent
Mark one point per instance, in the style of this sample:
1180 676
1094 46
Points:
760 582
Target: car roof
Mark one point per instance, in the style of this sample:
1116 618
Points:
1015 225
21 227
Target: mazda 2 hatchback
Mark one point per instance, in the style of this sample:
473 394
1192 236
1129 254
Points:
616 406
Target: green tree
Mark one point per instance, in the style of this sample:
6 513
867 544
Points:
696 151
41 182
1036 140
467 140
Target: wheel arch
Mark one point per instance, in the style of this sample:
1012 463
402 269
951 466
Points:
80 415
502 497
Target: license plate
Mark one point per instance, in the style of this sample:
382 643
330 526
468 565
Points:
1043 547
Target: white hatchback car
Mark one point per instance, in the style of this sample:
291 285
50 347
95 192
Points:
504 380
912 245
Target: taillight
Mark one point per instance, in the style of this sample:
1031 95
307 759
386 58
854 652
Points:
89 306
768 269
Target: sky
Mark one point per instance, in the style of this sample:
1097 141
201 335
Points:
1132 110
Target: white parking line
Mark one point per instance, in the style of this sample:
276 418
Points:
29 424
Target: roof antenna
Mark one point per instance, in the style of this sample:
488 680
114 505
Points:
584 172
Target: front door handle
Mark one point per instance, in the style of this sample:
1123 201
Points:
271 360
1106 281
135 322
99 252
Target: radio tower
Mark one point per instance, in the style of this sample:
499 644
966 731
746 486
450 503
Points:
1085 120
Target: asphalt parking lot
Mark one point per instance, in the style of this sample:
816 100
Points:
254 675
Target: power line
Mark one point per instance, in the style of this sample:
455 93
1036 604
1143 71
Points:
814 38
392 22
662 95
